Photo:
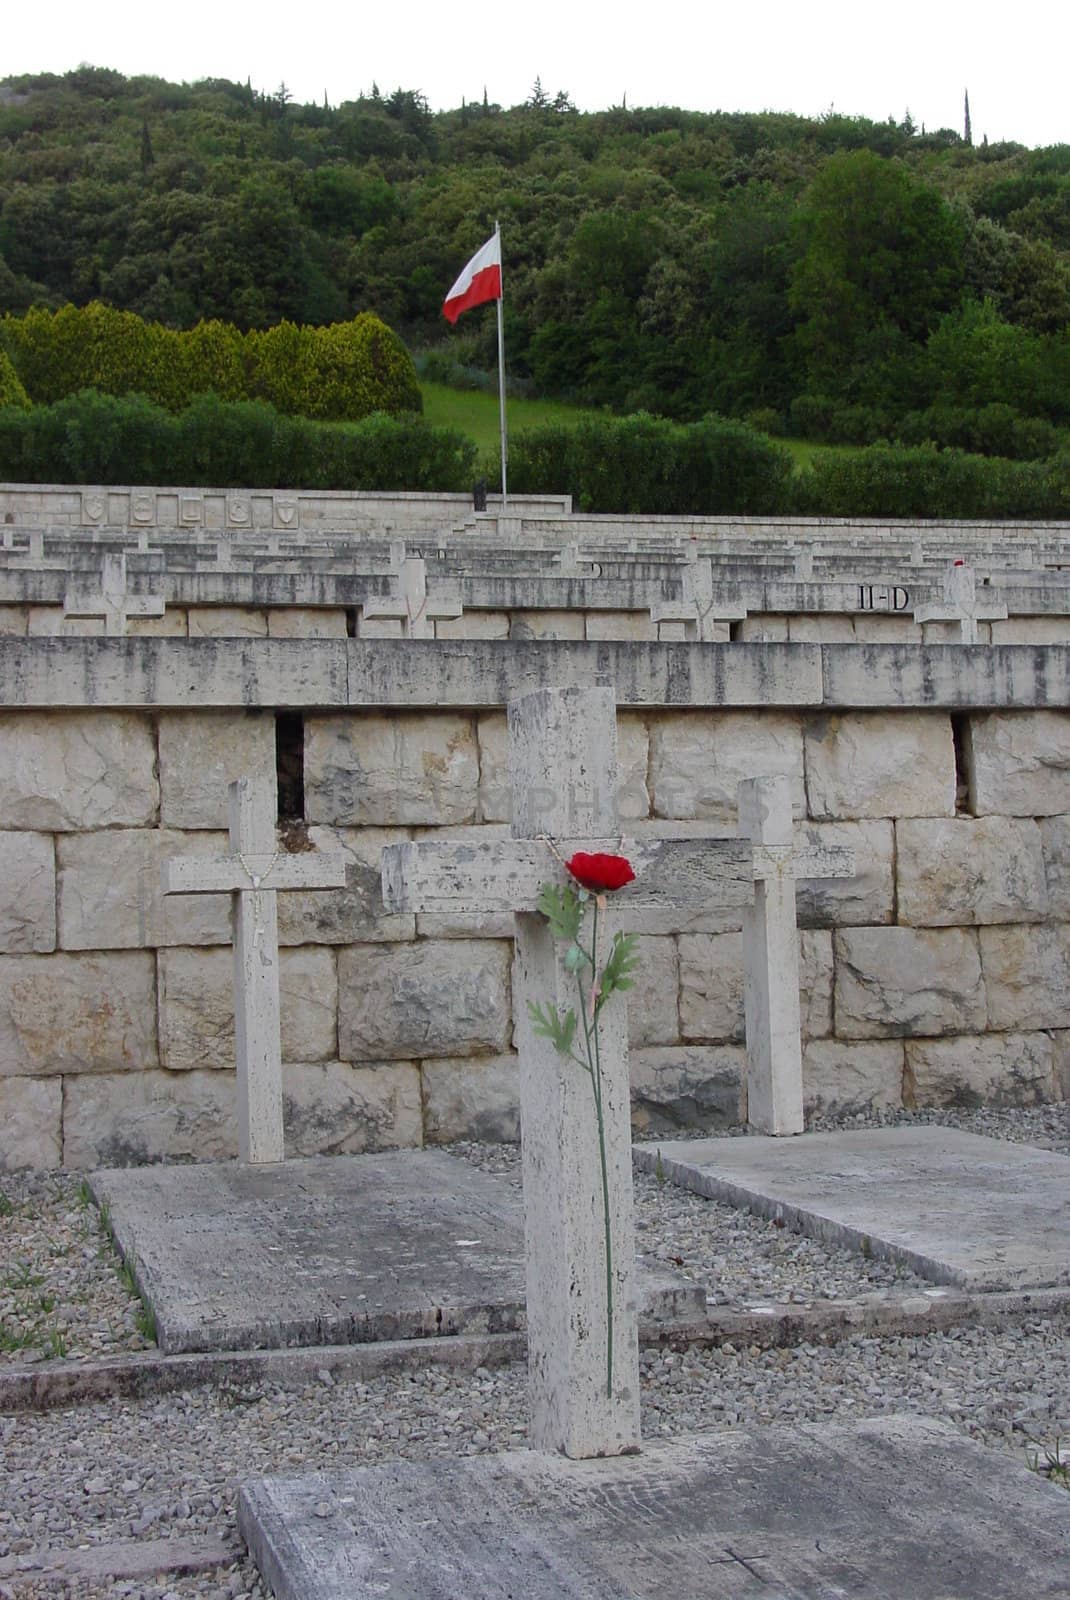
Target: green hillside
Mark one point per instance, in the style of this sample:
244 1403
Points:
830 278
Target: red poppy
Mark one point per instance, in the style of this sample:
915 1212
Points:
599 873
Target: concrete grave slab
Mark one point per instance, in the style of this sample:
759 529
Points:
874 1511
955 1207
333 1250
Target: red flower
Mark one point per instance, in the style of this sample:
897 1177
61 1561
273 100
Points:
600 872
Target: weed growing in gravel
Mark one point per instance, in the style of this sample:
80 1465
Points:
145 1322
6 1206
1055 1466
11 1339
23 1278
144 1317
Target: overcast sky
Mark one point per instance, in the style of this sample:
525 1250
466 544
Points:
853 57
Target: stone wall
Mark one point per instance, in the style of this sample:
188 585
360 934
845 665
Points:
938 975
523 624
285 510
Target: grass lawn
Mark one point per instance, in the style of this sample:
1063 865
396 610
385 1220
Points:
805 450
476 414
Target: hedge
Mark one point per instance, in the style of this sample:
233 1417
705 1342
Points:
897 481
97 438
340 373
643 464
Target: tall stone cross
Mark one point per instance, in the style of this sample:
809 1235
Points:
253 873
563 772
961 605
705 619
112 602
413 607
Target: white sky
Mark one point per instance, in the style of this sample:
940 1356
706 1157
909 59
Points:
751 55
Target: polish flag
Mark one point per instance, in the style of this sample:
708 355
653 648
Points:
480 281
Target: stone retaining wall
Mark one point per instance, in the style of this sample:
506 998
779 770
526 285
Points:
939 974
285 510
323 622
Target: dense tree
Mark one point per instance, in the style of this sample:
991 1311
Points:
768 264
881 261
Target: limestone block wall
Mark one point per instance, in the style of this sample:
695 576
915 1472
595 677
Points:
938 974
331 622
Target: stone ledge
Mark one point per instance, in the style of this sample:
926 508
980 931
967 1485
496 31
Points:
771 1325
122 1559
958 677
472 673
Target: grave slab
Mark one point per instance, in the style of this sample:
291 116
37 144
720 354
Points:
334 1250
871 1511
957 1208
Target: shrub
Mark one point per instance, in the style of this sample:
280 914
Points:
95 438
897 481
88 438
342 372
359 367
811 416
540 461
765 419
646 464
213 361
992 430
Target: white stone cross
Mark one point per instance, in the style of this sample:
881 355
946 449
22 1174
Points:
961 605
568 563
112 602
32 554
703 618
254 872
413 606
803 555
563 772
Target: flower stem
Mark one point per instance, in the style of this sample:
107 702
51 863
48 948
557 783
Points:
588 1009
596 1079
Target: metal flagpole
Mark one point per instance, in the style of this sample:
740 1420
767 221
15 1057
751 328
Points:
501 369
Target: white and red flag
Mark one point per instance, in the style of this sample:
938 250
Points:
480 281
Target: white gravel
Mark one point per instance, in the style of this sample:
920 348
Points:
169 1466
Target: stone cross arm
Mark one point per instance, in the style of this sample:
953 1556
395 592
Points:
677 878
253 870
113 602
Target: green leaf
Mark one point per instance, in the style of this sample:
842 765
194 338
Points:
618 970
560 906
550 1025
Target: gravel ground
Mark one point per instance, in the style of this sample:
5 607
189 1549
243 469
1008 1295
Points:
170 1466
61 1291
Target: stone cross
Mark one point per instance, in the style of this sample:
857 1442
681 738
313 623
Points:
961 605
32 554
413 606
112 602
803 555
254 872
563 772
568 563
703 618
